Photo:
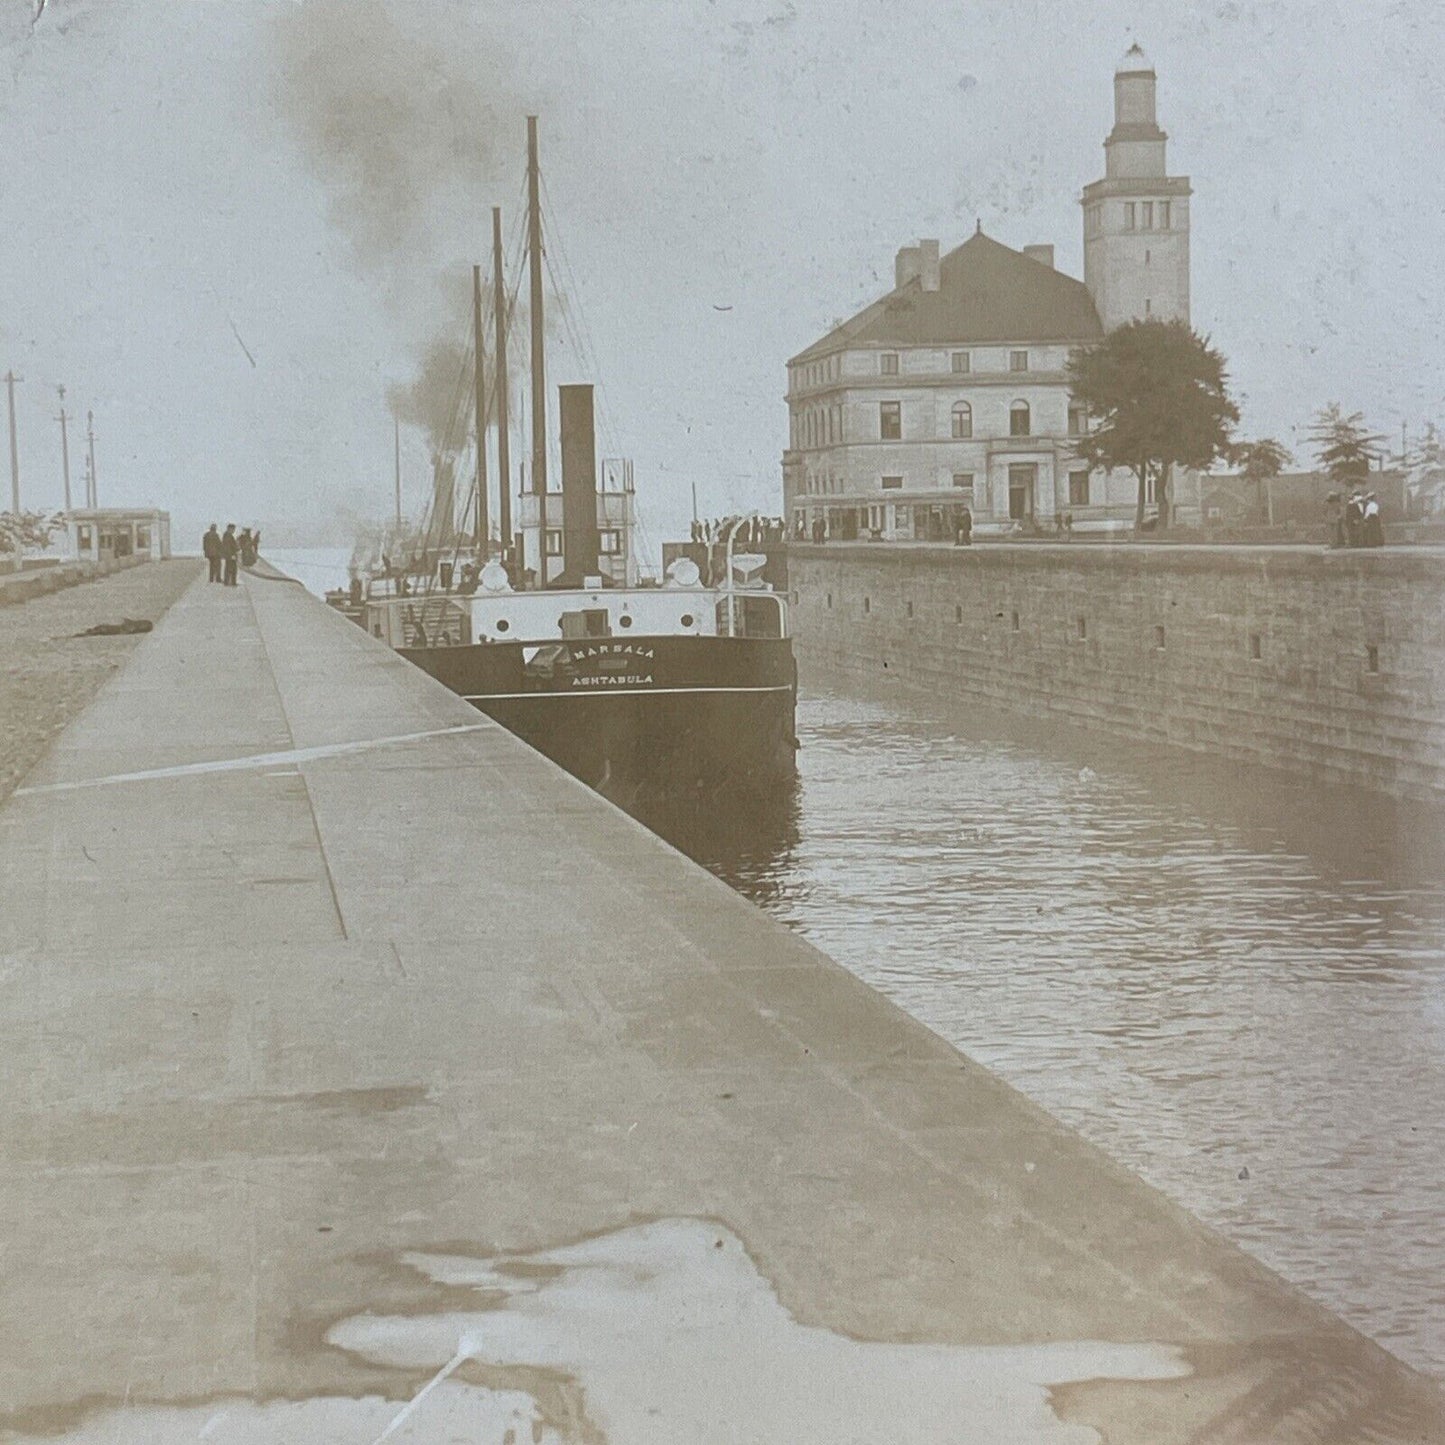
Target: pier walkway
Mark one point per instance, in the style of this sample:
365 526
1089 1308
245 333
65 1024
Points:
365 1077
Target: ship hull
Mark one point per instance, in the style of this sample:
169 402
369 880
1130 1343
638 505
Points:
640 718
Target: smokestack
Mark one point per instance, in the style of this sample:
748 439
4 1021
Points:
908 265
928 253
1044 255
580 541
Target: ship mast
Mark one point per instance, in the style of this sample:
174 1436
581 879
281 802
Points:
483 527
499 380
539 363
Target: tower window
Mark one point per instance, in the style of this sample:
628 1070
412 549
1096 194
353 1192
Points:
888 363
890 421
1165 219
961 361
1018 361
1078 489
962 420
1128 215
1019 424
1148 215
1078 419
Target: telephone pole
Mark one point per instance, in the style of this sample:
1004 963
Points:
10 380
64 448
94 498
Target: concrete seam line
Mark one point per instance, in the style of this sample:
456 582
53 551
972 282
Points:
253 760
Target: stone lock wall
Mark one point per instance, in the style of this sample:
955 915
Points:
1325 663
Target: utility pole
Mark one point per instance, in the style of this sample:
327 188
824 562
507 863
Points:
539 361
94 481
479 375
499 381
64 448
396 431
10 380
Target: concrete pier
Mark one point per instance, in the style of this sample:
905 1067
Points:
368 1078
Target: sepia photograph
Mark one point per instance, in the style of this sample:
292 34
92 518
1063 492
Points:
722 722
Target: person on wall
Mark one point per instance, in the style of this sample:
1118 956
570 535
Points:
211 550
1372 529
230 550
963 531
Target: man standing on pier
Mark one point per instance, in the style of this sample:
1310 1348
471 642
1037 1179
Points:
211 550
230 547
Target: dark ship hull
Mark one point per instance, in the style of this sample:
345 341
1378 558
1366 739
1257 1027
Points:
640 718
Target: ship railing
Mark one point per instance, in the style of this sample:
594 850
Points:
429 620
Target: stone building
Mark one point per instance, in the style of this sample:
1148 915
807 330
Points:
951 390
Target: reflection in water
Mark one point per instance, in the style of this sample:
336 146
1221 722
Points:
1231 982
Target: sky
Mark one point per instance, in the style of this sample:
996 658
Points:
234 227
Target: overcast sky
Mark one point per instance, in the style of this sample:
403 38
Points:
189 181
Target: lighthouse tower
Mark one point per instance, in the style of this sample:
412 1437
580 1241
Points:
1136 220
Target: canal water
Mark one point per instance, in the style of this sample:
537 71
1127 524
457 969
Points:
1232 982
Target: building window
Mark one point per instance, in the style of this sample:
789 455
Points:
143 537
902 519
1159 638
1078 419
1083 624
963 481
1166 215
1128 215
1151 488
1148 307
1019 424
867 605
962 362
909 608
554 543
1078 489
958 613
1018 361
888 363
1256 647
890 421
1148 208
1015 622
892 484
962 420
1372 658
609 543
84 538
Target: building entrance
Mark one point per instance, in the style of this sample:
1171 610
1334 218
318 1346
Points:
1022 481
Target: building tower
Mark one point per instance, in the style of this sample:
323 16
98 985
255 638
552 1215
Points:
1136 220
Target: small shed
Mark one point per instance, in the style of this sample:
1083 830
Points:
97 534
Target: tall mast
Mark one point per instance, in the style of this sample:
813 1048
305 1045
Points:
499 380
64 448
396 435
483 521
90 438
539 362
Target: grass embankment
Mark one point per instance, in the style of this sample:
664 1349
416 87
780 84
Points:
48 674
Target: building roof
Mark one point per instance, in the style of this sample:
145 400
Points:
987 292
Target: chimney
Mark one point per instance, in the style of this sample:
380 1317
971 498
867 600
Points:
580 542
928 254
908 265
1042 254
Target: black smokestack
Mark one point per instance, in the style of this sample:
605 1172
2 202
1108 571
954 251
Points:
580 541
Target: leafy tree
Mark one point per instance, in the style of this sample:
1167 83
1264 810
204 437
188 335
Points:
1260 462
1343 445
1157 397
21 531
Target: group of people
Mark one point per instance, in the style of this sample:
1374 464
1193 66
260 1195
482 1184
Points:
752 532
223 551
1355 520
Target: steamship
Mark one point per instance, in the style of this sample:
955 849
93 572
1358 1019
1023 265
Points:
683 688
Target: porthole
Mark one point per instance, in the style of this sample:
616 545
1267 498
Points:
687 619
624 621
503 625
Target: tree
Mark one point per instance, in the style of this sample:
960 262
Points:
1260 463
20 531
1343 446
1157 397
